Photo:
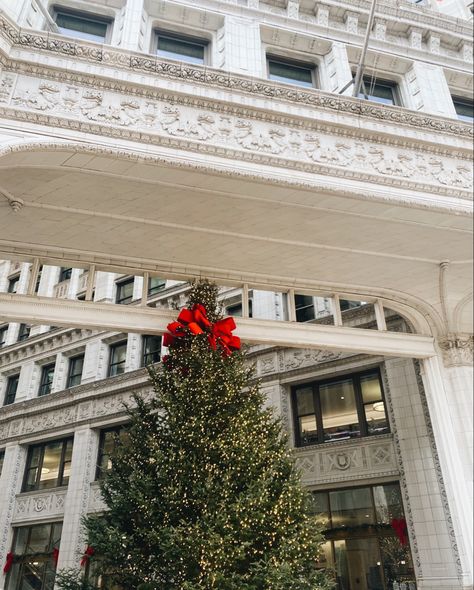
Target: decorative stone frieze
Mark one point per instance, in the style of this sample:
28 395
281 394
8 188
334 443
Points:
457 349
40 505
346 461
96 503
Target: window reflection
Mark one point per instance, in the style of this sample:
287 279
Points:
339 410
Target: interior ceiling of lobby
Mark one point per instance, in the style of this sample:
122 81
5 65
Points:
138 212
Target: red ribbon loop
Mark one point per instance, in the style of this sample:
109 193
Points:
88 553
399 525
8 562
195 321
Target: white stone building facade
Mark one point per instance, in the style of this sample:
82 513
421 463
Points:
147 142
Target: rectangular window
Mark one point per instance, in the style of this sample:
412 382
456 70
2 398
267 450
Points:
76 365
339 409
180 47
118 354
47 374
109 440
151 350
13 284
3 335
291 72
64 274
81 25
382 91
464 109
48 465
12 386
124 293
155 284
38 279
34 564
361 542
304 305
23 332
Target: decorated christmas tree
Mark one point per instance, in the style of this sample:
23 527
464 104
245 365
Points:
203 492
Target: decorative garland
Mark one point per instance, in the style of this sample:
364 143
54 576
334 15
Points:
194 321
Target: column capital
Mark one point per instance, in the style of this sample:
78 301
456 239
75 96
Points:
457 349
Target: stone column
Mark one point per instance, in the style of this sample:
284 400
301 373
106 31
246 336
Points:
429 90
10 484
133 28
423 487
83 466
448 383
241 46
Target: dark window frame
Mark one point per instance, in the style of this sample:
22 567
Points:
119 300
3 335
70 375
92 17
23 332
462 101
112 348
65 273
13 283
154 356
46 383
183 37
62 464
295 63
368 82
38 557
117 431
360 405
9 395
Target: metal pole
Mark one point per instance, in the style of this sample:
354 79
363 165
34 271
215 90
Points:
360 67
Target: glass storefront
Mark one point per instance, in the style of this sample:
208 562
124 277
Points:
365 545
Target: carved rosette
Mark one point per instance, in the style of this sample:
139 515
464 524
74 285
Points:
457 350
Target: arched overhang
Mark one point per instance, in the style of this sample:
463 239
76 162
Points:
145 212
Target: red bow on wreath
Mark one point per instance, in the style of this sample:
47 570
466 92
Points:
55 555
8 562
399 525
196 322
88 553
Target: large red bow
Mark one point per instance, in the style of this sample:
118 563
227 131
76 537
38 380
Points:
196 322
399 525
88 553
8 562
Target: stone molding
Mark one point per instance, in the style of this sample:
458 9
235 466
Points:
457 350
347 461
88 403
39 505
197 125
96 503
108 56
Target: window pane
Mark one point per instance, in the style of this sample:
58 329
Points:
304 308
388 503
80 27
358 560
325 558
352 507
107 447
289 73
125 292
118 355
155 284
374 406
339 410
321 507
75 371
39 539
464 110
151 349
13 284
305 401
175 48
47 375
50 468
377 92
397 564
12 387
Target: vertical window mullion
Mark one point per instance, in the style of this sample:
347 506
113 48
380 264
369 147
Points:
59 481
296 421
40 467
360 406
318 412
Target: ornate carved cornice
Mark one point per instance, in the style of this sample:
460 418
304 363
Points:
213 78
457 349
